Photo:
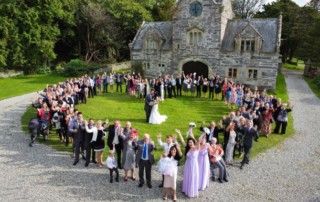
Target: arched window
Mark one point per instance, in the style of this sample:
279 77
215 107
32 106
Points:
195 37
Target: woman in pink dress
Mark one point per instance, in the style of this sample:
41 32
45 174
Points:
233 98
190 184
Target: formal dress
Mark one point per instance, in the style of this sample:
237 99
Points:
130 156
99 144
190 184
204 167
155 117
230 147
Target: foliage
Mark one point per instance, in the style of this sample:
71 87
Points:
299 32
78 67
29 32
15 86
165 10
137 67
245 9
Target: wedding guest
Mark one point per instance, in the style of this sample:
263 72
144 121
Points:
98 141
250 133
89 145
191 169
145 159
129 154
170 181
216 160
114 140
282 118
166 147
76 127
149 101
231 143
112 166
204 163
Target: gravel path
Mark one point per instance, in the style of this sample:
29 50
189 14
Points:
288 172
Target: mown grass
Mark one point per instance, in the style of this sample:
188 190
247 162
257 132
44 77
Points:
180 112
298 66
15 86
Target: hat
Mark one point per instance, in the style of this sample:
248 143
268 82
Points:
206 130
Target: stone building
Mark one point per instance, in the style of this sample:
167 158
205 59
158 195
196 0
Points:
204 37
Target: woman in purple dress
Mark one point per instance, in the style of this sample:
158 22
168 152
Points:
190 184
204 164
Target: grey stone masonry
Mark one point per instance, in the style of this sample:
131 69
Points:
205 32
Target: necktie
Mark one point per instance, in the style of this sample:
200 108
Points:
144 155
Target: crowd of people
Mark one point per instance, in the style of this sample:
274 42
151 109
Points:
252 114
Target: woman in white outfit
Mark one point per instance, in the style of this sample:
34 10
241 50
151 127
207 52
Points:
231 143
155 117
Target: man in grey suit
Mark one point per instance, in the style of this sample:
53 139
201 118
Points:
145 159
77 128
147 105
250 133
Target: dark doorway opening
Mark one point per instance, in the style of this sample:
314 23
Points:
198 67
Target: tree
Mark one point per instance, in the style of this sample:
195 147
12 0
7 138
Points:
290 29
315 4
29 32
165 10
245 9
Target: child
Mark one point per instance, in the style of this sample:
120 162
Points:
112 166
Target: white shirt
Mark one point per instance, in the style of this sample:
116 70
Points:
111 162
165 146
116 137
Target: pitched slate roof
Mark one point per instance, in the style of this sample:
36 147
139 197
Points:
164 29
267 28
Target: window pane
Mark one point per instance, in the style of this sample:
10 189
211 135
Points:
230 73
234 73
242 45
250 73
255 74
252 45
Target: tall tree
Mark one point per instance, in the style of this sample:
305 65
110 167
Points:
29 32
290 29
245 9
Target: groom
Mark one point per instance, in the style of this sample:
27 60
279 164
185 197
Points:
147 107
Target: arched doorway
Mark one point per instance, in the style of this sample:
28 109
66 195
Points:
198 67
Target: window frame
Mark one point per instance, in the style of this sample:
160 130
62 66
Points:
253 74
232 73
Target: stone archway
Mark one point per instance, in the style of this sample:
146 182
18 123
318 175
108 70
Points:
196 66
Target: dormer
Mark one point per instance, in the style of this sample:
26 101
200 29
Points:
153 39
249 40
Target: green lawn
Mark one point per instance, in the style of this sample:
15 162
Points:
315 89
10 87
180 112
299 65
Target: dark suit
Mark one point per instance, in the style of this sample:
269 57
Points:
215 133
118 147
89 147
145 164
249 135
77 137
147 107
179 83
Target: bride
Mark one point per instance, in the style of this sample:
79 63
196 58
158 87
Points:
155 117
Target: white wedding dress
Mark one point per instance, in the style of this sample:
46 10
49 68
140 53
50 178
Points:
155 117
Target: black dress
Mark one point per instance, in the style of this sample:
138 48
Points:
99 144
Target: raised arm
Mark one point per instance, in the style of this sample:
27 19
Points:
181 138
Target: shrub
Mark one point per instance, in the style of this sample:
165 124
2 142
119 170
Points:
43 70
75 67
317 80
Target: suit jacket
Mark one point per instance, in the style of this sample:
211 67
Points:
139 147
249 135
177 82
111 135
149 98
215 133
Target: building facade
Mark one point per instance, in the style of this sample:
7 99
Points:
204 37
